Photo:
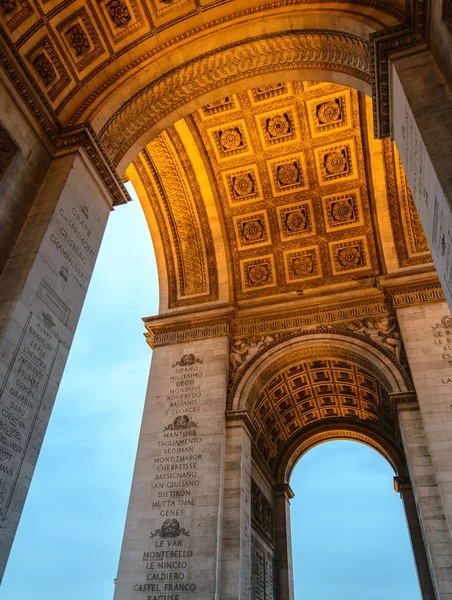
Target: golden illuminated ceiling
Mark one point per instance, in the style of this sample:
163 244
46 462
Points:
276 190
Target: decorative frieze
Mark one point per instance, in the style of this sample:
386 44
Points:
192 329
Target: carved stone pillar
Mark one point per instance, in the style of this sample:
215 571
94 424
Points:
422 130
236 536
428 502
172 540
403 486
283 539
42 290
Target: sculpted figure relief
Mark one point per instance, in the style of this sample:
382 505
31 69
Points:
243 350
383 330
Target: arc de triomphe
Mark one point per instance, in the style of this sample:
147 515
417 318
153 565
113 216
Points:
293 161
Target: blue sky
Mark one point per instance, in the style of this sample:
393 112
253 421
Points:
349 534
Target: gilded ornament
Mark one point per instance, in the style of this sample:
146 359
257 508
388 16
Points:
335 162
243 185
349 257
8 6
253 230
288 173
278 126
45 68
78 39
119 12
231 139
258 274
269 88
302 266
328 112
342 211
217 103
296 221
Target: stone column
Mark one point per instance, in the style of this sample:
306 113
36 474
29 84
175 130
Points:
236 542
428 503
283 539
426 330
403 486
422 129
172 541
42 291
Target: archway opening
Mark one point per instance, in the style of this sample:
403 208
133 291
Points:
349 534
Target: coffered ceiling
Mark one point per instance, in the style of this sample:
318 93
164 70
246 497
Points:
272 190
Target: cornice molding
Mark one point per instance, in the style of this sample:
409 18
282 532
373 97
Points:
160 334
414 292
315 49
87 139
410 35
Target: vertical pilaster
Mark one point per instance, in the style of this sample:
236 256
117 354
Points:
422 129
172 541
429 506
404 487
283 539
236 538
427 336
42 291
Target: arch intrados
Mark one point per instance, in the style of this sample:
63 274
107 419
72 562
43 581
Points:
235 87
302 443
303 345
135 68
129 110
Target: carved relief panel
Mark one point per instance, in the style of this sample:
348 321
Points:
262 573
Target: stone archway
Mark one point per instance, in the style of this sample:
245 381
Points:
304 393
85 90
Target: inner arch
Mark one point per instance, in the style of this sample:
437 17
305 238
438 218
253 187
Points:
349 533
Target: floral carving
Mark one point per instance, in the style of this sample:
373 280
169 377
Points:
8 6
303 265
335 162
78 39
349 257
243 184
45 69
288 173
231 139
296 221
119 12
253 230
328 112
342 211
258 274
278 126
